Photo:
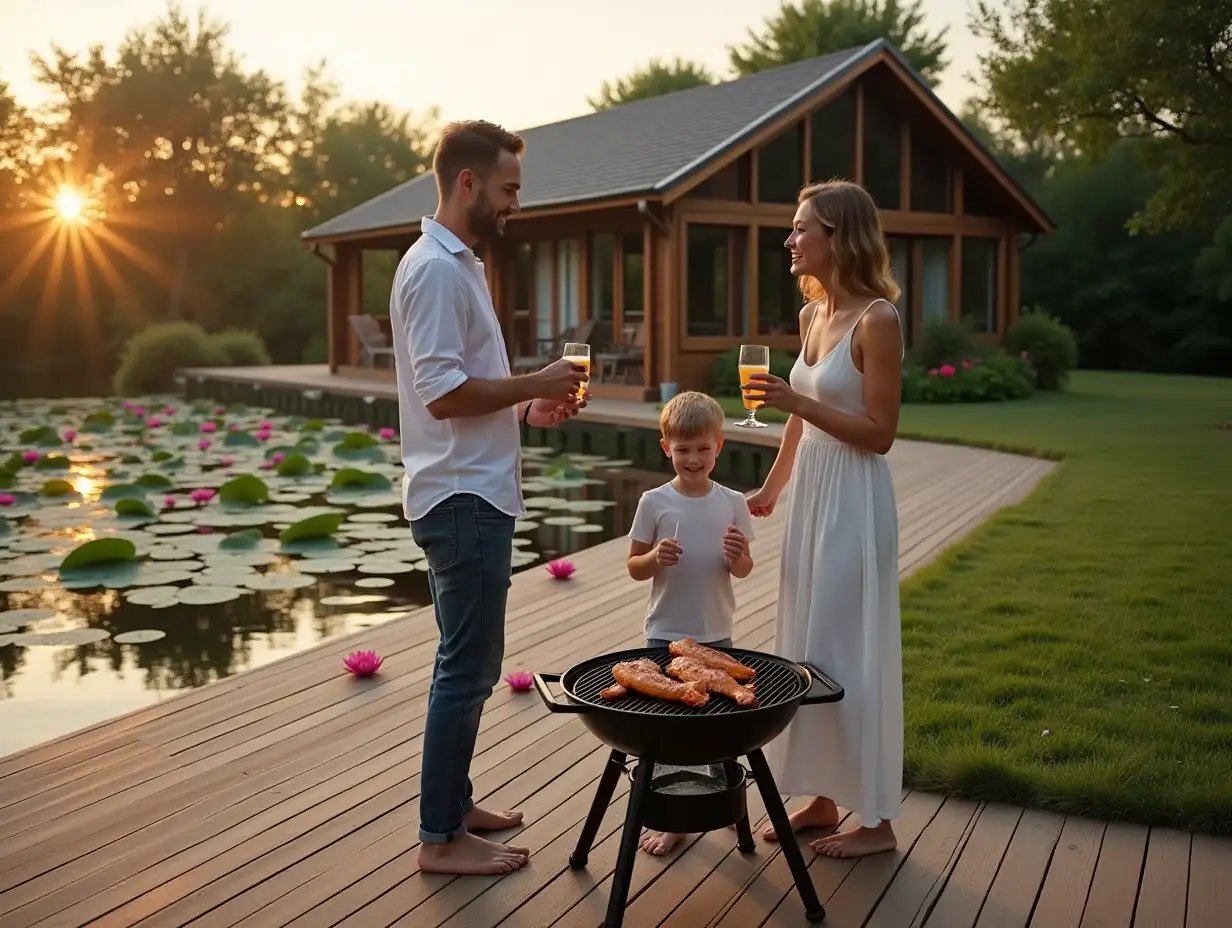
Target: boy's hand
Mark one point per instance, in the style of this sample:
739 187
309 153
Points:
667 552
735 545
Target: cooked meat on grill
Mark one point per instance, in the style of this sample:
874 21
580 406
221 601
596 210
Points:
691 670
639 677
687 647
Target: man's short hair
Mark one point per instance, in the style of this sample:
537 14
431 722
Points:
473 144
689 416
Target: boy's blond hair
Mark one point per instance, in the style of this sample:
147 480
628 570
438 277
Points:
691 415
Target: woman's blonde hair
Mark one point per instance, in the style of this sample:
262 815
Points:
858 246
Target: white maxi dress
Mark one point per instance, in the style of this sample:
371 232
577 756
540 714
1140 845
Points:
839 608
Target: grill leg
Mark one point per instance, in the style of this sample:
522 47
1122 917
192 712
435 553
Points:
628 844
603 797
813 909
744 836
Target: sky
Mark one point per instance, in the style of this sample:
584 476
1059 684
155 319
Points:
521 63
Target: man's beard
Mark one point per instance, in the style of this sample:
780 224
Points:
484 221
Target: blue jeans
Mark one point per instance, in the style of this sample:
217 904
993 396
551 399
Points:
714 770
469 547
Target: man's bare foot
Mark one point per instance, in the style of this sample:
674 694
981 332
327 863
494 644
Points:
471 855
659 843
858 842
820 813
478 819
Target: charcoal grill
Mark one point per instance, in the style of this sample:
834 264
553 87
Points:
656 731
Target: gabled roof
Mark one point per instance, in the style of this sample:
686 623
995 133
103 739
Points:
645 147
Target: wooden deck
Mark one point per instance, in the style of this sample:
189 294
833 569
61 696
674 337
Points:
287 796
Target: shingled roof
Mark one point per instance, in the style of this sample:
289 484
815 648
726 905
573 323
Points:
637 148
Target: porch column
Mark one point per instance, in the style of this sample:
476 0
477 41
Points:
345 288
650 312
956 243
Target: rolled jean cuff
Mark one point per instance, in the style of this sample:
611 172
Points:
448 837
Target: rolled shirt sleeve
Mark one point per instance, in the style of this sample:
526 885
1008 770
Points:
433 304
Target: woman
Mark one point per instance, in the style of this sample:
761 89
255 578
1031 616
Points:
838 591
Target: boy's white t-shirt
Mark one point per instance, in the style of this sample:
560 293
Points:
693 598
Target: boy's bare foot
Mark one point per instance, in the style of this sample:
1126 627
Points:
659 843
478 819
471 855
820 813
858 842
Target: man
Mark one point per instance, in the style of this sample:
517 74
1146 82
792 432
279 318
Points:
459 409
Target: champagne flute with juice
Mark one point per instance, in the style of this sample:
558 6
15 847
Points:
754 359
579 354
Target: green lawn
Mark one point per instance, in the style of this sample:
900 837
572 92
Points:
1076 652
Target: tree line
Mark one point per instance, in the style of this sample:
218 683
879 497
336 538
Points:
199 173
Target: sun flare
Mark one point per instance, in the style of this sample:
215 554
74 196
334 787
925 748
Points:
70 205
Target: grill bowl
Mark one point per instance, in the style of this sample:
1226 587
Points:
673 733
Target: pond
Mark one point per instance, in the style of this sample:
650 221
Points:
150 547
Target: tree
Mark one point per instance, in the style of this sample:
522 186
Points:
651 81
17 137
820 27
1095 71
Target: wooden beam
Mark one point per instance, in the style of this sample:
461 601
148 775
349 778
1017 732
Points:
807 154
905 169
753 192
670 291
859 165
650 312
956 265
959 203
1013 307
1003 286
754 260
916 293
345 296
618 288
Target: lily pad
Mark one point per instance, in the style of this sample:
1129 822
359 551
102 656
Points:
241 439
53 462
156 596
245 490
373 517
209 595
564 520
57 488
357 600
280 581
385 567
99 551
72 636
154 482
318 526
352 479
373 583
133 507
121 491
140 636
294 465
242 540
19 618
588 529
322 565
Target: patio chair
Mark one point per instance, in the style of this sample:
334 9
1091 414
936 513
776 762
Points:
550 349
373 343
630 356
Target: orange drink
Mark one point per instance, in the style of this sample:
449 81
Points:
746 371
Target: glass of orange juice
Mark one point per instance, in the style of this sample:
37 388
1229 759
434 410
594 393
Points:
754 359
579 354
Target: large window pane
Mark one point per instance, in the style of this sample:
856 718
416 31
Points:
633 279
935 279
523 277
715 280
833 142
778 292
602 277
545 266
780 166
883 154
900 264
979 283
568 267
931 188
731 183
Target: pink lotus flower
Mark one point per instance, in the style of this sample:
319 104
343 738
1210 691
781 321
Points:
520 681
127 404
561 569
234 427
946 370
204 444
31 456
7 499
70 434
363 663
169 410
387 434
267 426
202 495
263 436
268 465
227 462
208 427
277 458
169 502
220 410
138 411
154 422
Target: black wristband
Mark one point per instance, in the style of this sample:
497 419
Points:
526 414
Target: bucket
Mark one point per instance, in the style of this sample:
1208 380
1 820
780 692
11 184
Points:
667 391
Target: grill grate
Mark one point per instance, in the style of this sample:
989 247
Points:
777 682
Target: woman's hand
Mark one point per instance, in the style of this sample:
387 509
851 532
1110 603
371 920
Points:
761 502
773 391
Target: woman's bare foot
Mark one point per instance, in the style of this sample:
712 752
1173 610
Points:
659 843
478 819
471 855
820 813
858 842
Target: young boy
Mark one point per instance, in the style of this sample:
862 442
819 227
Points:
690 537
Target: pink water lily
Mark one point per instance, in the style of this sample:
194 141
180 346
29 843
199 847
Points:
205 530
154 422
267 426
7 499
31 456
387 434
209 427
127 404
138 411
169 410
203 495
169 502
561 569
363 663
946 370
70 434
520 681
204 444
263 436
227 462
220 410
277 458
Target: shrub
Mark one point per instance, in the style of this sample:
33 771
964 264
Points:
241 348
725 373
944 342
973 380
150 358
1048 344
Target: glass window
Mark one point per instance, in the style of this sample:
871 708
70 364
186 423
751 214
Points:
545 269
523 276
633 269
731 183
778 292
568 267
715 280
883 154
932 190
780 166
935 279
979 283
602 276
832 144
900 264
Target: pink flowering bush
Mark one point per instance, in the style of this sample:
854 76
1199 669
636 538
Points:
972 380
1048 345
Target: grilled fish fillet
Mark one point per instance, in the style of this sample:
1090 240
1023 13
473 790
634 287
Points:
691 670
641 678
687 647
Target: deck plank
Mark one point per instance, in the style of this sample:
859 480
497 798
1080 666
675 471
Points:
1064 894
1114 890
1165 881
1210 889
1012 897
960 901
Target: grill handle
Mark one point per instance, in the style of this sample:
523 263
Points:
542 686
823 689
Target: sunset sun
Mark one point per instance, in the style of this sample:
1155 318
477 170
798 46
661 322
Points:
70 205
